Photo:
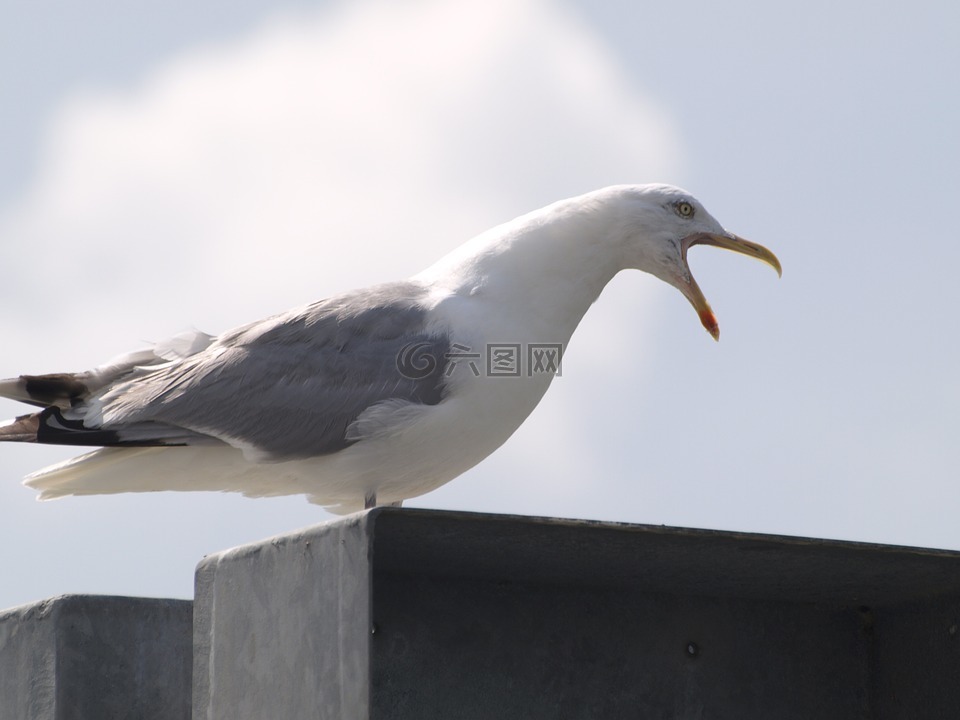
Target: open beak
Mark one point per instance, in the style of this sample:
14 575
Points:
688 286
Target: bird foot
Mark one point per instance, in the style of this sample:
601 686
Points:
370 501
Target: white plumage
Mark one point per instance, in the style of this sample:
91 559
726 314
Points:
376 395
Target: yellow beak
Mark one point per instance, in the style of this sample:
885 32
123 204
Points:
688 286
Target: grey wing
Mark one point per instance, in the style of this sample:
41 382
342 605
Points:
290 386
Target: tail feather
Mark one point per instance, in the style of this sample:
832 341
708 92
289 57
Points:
52 426
105 471
208 469
27 390
60 389
64 390
66 398
21 429
155 469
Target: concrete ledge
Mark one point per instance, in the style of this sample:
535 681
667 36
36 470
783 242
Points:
281 627
421 614
80 657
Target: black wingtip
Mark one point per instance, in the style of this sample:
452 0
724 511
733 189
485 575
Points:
55 389
50 427
61 389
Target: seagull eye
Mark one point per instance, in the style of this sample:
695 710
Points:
684 209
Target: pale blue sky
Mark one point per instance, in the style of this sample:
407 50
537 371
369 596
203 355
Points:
180 165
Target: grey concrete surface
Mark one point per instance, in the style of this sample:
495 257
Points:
82 657
422 614
282 627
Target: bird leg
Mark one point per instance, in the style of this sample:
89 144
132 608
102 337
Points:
370 501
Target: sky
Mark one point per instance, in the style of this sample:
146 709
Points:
173 166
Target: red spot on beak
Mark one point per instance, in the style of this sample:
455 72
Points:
709 321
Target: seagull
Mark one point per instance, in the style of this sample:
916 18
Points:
373 396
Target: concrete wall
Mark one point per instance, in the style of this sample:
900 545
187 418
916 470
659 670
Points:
420 614
81 657
283 626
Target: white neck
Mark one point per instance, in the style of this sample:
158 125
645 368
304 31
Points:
543 270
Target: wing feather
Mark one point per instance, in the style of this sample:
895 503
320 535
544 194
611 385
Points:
289 387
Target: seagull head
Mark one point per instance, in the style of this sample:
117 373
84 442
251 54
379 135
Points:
661 223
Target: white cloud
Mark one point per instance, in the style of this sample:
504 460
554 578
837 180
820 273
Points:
323 152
